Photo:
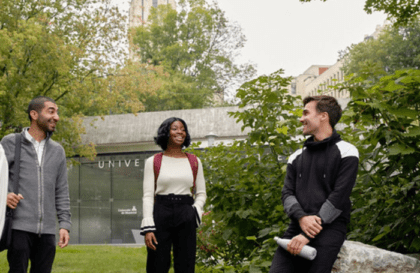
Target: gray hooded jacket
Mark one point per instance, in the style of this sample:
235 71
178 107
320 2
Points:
43 186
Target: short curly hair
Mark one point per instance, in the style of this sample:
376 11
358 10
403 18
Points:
163 133
326 104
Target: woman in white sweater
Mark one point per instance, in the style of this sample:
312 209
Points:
170 213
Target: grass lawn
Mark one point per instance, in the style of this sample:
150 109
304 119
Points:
101 259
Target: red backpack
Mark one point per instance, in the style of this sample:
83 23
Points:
157 162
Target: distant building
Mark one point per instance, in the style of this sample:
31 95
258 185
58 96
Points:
140 10
319 79
324 83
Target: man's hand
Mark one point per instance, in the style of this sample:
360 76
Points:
151 240
13 200
64 238
311 225
296 244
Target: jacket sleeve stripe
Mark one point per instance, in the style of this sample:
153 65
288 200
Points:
328 212
289 203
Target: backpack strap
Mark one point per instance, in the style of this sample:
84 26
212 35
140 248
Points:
16 164
15 182
194 167
157 162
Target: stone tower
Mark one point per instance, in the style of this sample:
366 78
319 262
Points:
140 10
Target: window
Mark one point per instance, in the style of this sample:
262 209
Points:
293 87
106 198
155 3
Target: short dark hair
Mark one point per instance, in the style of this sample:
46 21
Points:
326 104
163 133
37 104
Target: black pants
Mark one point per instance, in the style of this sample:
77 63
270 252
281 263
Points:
328 244
30 246
175 224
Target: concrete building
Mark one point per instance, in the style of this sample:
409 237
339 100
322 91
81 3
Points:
324 82
319 79
298 85
140 10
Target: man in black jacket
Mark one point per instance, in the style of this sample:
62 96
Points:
316 192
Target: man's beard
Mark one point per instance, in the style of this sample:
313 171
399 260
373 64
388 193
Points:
43 124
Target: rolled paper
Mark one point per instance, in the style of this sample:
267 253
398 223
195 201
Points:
307 252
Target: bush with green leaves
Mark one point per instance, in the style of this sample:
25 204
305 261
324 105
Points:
384 116
245 178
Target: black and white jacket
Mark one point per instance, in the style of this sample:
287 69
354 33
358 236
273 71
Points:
320 178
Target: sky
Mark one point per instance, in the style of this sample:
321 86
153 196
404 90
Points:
292 35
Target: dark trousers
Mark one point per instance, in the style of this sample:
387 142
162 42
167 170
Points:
175 227
328 244
40 249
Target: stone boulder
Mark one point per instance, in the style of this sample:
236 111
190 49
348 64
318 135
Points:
357 257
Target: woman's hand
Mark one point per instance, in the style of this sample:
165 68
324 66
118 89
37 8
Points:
151 240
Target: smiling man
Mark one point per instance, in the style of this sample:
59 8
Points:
316 192
43 191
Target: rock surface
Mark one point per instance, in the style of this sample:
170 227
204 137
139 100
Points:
357 257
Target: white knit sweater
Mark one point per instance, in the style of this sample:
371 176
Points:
175 177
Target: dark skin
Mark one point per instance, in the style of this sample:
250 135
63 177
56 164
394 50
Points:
177 137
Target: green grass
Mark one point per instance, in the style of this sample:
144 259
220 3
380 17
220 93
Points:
101 259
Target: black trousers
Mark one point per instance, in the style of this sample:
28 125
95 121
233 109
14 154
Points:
40 249
175 224
328 244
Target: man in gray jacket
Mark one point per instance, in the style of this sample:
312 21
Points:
43 191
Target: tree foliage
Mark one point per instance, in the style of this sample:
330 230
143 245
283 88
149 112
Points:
401 11
384 85
197 46
395 48
384 118
245 180
67 50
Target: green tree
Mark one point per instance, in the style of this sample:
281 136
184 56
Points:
401 11
64 49
197 47
395 48
384 116
244 180
384 119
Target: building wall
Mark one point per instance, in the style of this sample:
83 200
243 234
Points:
134 133
140 10
318 79
324 83
106 198
298 84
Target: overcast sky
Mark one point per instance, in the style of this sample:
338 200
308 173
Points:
292 35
